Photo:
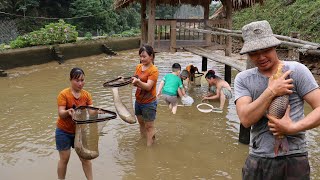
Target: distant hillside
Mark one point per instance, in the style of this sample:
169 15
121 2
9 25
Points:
302 16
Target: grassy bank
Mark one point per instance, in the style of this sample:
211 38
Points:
302 16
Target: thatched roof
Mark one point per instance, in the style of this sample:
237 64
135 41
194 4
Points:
237 4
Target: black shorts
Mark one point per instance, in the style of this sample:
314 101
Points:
293 167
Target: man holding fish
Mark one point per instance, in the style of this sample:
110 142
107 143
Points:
270 99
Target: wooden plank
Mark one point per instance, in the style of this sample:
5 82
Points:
151 22
236 64
173 36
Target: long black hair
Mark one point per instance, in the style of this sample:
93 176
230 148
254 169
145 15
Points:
76 72
210 74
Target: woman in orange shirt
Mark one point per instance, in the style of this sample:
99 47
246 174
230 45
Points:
145 79
68 99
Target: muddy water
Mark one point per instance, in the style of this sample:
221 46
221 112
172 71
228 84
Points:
189 145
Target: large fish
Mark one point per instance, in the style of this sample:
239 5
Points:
86 136
86 141
121 109
277 109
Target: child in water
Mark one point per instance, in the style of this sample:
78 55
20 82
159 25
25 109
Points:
185 78
218 89
171 86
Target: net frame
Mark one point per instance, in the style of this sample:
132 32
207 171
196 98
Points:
113 115
118 82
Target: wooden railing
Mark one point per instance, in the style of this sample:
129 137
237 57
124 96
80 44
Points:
179 29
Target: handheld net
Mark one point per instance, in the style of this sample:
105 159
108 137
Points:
208 108
187 100
122 98
118 82
89 123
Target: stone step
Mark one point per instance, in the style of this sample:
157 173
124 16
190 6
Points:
108 50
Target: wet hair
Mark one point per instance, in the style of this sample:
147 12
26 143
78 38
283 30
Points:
76 72
148 49
176 67
210 74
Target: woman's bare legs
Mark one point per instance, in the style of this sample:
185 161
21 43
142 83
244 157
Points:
87 168
63 163
150 131
142 125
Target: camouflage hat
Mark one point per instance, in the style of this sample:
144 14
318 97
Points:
258 35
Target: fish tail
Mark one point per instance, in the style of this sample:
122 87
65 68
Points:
281 144
284 145
277 144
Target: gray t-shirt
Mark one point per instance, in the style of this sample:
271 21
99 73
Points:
252 83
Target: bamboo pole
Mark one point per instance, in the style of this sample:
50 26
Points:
291 39
302 47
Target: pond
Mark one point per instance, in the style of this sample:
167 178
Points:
189 145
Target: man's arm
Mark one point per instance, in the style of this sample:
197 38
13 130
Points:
250 112
213 97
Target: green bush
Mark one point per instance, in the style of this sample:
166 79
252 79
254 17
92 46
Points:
2 46
88 36
19 42
53 33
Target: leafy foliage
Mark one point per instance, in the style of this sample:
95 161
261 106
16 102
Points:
53 33
103 17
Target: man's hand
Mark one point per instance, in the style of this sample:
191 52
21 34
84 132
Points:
281 86
282 126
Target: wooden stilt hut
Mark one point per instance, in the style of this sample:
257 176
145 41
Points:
173 38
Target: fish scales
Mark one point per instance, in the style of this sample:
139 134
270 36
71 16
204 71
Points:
277 109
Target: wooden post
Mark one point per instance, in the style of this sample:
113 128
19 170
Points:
293 53
151 21
228 46
143 24
206 20
173 36
227 73
229 26
204 63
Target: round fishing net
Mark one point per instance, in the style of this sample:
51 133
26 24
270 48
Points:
118 82
89 123
122 98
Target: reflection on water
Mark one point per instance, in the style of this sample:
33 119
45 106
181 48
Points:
189 145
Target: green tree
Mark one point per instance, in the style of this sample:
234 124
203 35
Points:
91 8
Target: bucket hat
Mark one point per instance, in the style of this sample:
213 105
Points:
258 35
